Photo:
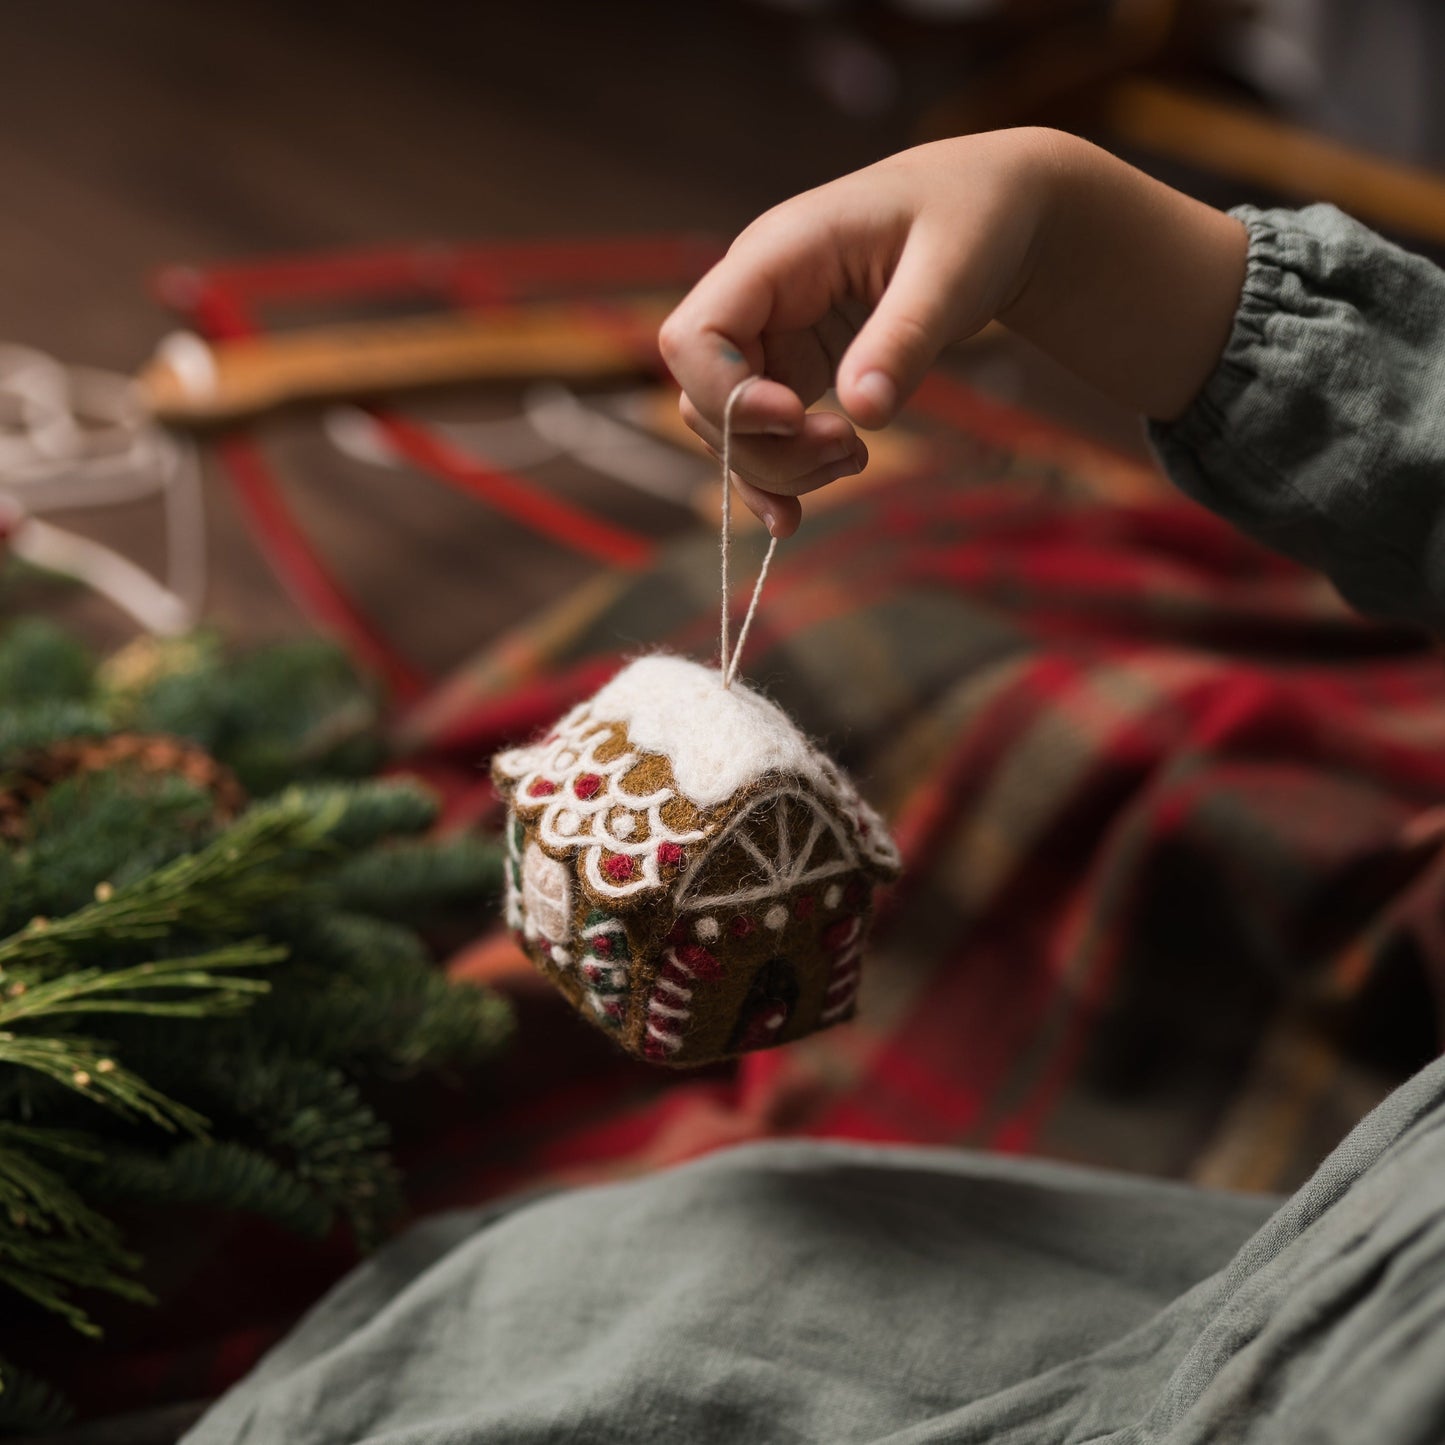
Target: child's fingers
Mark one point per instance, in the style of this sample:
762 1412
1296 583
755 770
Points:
714 338
780 463
911 324
712 341
781 515
781 512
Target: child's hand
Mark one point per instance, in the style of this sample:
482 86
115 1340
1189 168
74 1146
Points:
921 249
861 283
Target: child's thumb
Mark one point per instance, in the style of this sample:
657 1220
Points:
899 341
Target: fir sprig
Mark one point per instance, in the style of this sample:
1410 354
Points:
87 1068
51 1241
214 890
90 990
85 1065
189 1009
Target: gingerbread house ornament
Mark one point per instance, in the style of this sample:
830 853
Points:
687 868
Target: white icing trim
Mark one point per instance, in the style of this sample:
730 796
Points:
716 740
568 823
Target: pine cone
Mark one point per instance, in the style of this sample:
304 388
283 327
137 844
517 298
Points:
33 774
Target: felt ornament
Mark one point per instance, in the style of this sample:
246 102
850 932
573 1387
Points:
693 874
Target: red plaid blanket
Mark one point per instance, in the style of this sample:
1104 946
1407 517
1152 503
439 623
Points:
1174 824
1172 872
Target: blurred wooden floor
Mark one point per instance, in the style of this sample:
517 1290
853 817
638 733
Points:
152 131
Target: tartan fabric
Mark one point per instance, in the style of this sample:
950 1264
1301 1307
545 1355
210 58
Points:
1174 832
1165 805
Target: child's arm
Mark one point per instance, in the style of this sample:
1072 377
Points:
862 282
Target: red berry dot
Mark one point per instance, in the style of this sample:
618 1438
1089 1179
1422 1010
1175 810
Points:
541 789
669 854
587 785
699 960
602 945
741 926
618 867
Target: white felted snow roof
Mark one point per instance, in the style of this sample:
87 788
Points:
717 739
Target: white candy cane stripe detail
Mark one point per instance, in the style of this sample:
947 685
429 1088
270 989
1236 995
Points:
672 1042
604 971
677 965
848 964
604 968
665 1020
843 984
606 928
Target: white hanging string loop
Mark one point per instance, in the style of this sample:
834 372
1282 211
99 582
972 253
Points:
729 662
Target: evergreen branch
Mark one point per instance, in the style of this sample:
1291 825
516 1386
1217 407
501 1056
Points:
362 992
59 1266
314 1117
51 1241
107 827
223 1173
39 660
278 715
116 870
77 992
47 721
82 1066
368 812
410 880
217 888
39 1195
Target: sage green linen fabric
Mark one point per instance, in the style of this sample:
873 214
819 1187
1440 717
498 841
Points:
838 1293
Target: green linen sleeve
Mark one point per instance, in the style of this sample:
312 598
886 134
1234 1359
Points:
1321 431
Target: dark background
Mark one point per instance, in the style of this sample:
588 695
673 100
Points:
151 131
